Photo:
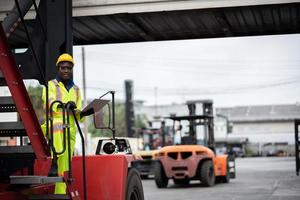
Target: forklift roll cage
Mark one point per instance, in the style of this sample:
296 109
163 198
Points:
205 119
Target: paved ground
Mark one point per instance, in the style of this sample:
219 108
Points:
257 179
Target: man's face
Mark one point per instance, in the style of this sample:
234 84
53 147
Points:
65 70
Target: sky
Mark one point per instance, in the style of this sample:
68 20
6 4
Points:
236 71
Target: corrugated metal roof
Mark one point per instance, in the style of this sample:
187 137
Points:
261 113
257 113
181 24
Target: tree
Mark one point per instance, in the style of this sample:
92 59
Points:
140 122
35 94
119 119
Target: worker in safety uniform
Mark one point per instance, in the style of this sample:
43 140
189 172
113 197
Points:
63 88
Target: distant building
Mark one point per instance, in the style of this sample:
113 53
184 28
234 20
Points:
265 124
261 126
269 128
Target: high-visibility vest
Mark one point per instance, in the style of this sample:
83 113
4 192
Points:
57 91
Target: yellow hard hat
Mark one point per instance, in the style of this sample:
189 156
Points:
65 57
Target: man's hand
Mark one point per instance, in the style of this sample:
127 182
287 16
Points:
87 113
72 105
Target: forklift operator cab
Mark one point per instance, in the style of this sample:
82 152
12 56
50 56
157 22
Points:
197 127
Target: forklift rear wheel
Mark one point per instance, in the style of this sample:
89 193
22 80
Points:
231 163
134 187
207 173
160 177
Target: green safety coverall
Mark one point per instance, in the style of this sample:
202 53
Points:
57 91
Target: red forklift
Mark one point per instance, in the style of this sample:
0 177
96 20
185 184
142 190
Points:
24 168
155 136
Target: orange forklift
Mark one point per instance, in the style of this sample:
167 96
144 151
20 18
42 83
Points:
24 168
194 158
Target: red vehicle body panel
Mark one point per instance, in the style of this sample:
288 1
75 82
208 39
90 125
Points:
101 185
41 168
105 176
11 196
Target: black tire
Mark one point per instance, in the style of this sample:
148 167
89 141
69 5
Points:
232 169
226 178
134 187
181 181
207 174
232 175
160 177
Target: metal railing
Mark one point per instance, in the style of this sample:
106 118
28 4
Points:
67 109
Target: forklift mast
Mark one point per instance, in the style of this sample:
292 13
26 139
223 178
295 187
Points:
207 110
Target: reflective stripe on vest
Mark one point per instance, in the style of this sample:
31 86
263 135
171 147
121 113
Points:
58 92
57 127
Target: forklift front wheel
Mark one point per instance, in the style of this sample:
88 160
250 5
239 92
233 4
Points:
160 177
134 187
